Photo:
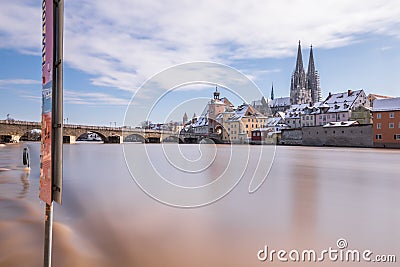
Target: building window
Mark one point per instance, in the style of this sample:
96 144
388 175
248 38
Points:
397 137
320 116
391 115
247 126
399 124
343 115
379 116
379 125
391 125
378 137
342 132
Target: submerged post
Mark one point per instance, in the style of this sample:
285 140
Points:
48 235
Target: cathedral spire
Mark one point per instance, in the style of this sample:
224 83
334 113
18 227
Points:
312 79
299 62
298 92
272 92
311 66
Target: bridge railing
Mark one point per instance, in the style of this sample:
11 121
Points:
15 122
90 127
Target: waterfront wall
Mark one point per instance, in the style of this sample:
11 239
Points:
354 136
387 145
291 137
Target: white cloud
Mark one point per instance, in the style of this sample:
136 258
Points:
85 98
18 82
93 99
20 26
121 44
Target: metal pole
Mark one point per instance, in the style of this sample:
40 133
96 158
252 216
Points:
48 235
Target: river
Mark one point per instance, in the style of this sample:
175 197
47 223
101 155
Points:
311 198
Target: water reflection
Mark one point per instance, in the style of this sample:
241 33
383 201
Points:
25 184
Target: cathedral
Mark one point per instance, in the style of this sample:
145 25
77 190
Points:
305 88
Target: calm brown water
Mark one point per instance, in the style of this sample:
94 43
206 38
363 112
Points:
311 198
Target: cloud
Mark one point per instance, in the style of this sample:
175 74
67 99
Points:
122 44
85 98
93 99
18 82
20 26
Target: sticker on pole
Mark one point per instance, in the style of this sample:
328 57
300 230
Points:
45 190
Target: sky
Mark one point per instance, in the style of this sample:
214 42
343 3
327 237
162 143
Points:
112 50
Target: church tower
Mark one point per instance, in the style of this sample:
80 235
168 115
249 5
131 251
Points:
312 79
299 93
185 118
216 93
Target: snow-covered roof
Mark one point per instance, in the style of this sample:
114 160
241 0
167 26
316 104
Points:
281 114
217 102
219 116
261 130
387 104
280 102
201 121
226 102
274 121
340 124
295 110
239 113
242 111
341 102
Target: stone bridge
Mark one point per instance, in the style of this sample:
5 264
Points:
12 131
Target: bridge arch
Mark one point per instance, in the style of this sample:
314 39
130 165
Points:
31 135
82 134
172 139
135 137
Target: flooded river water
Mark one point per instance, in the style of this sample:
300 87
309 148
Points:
311 198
